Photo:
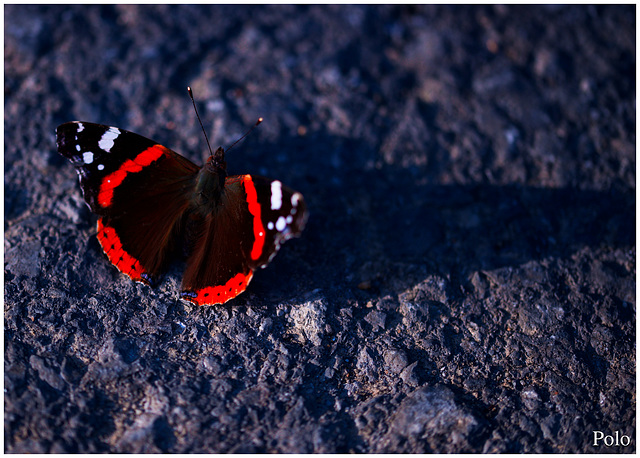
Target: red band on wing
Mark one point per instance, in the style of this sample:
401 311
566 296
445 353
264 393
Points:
112 247
254 209
220 294
113 180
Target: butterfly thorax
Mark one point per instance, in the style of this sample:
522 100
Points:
210 183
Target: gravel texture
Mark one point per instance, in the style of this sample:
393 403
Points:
466 280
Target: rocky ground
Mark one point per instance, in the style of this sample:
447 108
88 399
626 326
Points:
466 280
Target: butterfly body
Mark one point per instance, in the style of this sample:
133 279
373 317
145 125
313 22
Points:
210 183
154 204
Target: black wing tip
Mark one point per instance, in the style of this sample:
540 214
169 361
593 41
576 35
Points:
62 128
69 123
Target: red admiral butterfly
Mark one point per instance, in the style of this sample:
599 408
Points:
152 203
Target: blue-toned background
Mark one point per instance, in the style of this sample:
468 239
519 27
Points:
466 280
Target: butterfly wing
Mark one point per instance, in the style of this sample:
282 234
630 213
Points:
282 213
140 190
254 217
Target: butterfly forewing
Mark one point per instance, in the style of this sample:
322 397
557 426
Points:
104 155
283 215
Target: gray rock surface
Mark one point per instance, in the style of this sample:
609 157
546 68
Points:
466 280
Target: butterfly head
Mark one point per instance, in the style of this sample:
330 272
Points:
216 162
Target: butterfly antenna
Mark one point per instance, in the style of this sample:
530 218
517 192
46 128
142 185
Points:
247 133
199 120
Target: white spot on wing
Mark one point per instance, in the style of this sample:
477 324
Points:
276 195
77 146
100 167
295 197
270 225
106 142
80 127
281 224
87 157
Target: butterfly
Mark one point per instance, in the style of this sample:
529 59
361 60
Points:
153 204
